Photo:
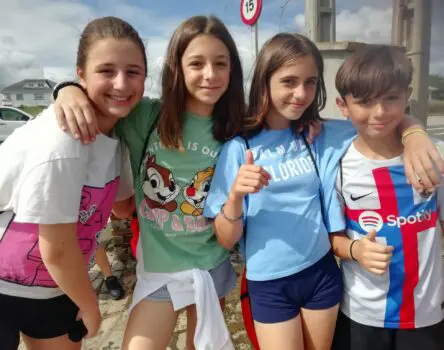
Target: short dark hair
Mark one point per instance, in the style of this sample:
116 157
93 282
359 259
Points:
276 52
374 70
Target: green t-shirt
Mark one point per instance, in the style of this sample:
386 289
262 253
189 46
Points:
171 187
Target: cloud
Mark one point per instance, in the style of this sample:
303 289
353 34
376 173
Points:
373 24
39 38
363 26
38 34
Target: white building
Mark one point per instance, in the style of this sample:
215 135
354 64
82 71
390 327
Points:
29 92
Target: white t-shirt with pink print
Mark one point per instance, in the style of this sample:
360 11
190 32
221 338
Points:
46 177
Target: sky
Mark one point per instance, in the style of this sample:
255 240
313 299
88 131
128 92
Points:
39 38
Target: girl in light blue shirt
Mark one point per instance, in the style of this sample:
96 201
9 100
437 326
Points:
275 194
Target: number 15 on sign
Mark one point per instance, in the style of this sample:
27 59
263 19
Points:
250 11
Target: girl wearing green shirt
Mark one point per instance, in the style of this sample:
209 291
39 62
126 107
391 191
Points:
173 145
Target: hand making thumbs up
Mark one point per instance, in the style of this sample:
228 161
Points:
373 256
251 178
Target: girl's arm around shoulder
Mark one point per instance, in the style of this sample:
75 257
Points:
421 157
230 159
330 146
336 135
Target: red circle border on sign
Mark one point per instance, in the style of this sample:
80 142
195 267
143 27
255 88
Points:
254 19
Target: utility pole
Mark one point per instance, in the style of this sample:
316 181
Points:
320 20
411 27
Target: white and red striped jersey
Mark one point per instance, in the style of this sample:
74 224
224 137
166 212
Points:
376 196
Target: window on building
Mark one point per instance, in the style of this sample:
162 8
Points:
39 97
40 85
19 97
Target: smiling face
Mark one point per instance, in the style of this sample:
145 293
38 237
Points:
206 70
292 89
378 117
114 76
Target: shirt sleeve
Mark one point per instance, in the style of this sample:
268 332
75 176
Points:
134 129
51 192
230 159
330 146
126 186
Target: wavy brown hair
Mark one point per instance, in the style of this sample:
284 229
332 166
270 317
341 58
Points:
229 110
282 49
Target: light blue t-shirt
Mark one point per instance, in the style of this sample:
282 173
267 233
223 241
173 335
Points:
286 232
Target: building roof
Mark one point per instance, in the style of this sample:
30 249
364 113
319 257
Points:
21 87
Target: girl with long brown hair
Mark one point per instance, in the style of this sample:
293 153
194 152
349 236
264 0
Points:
275 193
173 144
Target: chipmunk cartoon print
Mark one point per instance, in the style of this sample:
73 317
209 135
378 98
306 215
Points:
196 192
159 186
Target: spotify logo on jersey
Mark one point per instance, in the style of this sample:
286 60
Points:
370 220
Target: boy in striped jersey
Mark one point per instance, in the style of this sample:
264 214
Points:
391 251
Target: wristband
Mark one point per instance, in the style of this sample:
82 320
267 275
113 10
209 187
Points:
351 247
230 218
410 132
63 84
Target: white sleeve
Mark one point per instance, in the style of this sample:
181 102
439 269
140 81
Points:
126 185
50 193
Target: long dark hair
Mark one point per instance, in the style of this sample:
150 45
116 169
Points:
228 112
279 50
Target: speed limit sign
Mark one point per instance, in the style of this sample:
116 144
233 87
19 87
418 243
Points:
250 11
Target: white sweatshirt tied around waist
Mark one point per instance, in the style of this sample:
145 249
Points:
186 288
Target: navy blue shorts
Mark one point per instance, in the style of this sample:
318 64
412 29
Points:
317 287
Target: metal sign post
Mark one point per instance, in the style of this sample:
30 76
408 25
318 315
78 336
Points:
250 10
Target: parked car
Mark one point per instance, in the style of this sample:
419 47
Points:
10 119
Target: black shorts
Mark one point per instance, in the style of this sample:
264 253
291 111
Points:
36 318
350 335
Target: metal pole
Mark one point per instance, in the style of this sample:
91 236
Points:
397 21
255 40
312 19
320 20
333 21
420 56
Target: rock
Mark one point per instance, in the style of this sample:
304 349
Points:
117 268
181 341
96 278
